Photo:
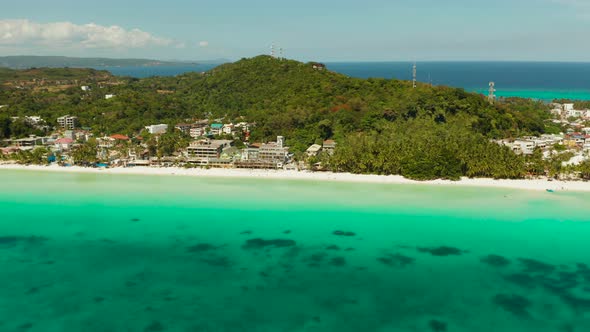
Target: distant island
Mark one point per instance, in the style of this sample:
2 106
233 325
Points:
28 61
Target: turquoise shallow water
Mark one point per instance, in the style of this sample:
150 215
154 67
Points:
83 252
544 95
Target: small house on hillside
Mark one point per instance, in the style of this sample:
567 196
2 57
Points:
64 144
329 146
313 150
318 66
216 129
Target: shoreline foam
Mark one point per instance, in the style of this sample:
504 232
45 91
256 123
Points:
533 184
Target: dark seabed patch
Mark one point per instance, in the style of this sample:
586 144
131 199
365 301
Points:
396 260
247 232
98 299
535 266
333 247
25 327
135 219
495 260
521 279
515 304
575 303
315 260
201 247
154 327
11 241
338 261
261 243
217 261
437 326
343 233
442 251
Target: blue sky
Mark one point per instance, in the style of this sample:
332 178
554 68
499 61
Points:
343 30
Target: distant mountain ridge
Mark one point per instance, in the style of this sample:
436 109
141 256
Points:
29 61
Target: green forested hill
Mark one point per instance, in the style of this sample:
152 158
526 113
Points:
52 74
290 95
307 105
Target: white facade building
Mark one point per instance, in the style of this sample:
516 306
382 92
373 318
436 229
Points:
228 129
157 129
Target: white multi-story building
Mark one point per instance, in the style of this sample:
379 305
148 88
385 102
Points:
157 129
207 149
197 132
34 120
67 122
523 146
227 129
274 151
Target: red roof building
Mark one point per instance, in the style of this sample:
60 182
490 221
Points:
64 141
120 137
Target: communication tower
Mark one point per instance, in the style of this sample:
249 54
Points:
492 93
414 75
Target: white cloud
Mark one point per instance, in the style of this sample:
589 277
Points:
67 34
204 43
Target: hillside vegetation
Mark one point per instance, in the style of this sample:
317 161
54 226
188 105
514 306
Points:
383 126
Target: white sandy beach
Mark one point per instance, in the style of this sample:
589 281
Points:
536 184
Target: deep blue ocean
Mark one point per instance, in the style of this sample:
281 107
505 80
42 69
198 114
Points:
540 80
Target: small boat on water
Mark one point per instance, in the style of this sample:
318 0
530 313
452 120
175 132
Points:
550 190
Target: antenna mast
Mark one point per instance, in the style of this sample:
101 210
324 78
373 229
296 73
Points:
414 75
272 49
492 93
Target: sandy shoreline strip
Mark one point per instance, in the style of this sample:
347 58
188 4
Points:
537 184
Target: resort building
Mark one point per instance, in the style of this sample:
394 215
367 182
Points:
105 142
329 146
68 122
69 134
274 151
228 129
207 148
64 144
197 131
184 127
525 147
34 120
250 153
216 129
31 141
157 129
313 150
